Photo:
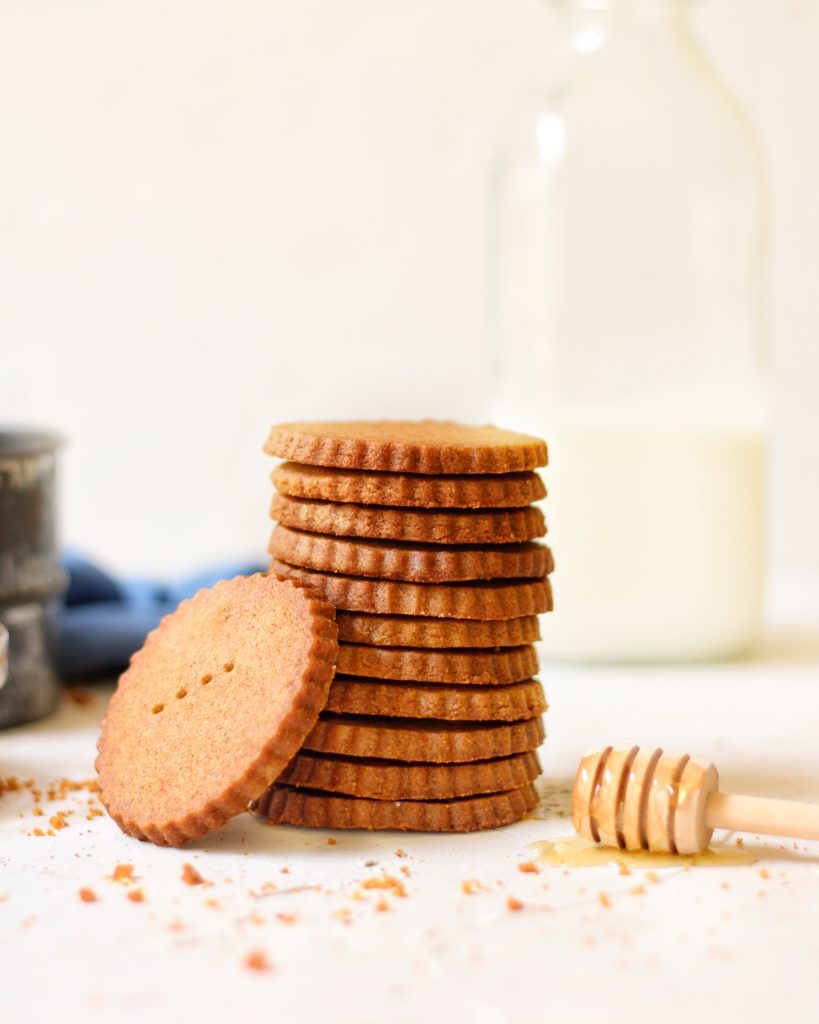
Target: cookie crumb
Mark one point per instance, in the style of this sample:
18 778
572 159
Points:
78 696
528 867
513 904
400 853
385 882
470 886
623 868
256 960
87 895
10 785
190 876
638 890
331 841
603 900
382 905
763 873
136 896
268 887
123 873
286 918
739 841
652 876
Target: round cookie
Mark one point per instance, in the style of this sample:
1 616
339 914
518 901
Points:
402 739
514 702
428 446
392 780
497 526
476 668
415 563
282 805
415 631
492 599
214 705
507 490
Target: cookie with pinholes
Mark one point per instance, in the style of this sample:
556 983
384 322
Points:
213 707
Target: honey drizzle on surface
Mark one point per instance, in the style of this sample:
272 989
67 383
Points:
576 852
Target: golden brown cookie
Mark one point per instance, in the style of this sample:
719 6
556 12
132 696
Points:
394 780
415 563
492 599
213 707
414 631
282 805
401 739
497 526
514 702
506 490
428 446
418 664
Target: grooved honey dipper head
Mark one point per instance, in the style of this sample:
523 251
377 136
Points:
643 799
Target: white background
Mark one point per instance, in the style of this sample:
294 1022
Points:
214 216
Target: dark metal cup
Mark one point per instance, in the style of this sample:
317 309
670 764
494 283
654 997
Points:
30 575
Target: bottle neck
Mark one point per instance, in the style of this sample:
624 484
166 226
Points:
592 24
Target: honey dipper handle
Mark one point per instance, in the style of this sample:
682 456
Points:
768 817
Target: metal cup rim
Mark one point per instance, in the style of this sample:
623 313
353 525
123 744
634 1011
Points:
21 442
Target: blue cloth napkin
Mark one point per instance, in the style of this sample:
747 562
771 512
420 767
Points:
104 620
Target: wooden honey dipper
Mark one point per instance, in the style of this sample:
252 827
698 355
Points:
645 799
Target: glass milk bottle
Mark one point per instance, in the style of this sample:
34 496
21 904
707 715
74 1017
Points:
627 294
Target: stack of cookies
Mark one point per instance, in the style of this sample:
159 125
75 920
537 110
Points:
423 537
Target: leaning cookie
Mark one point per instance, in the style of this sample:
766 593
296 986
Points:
214 706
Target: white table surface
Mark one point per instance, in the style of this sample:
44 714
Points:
712 943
